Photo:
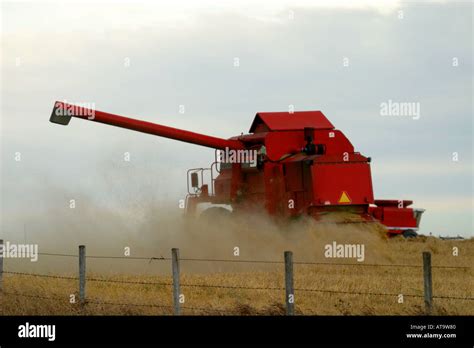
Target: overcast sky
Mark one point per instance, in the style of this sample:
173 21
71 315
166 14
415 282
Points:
145 59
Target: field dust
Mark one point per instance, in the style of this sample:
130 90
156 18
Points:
153 232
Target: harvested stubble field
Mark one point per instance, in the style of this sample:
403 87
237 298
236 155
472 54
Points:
340 289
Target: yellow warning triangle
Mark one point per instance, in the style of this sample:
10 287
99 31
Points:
344 198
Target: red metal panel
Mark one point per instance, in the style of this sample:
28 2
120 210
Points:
275 195
294 176
332 179
334 140
298 120
279 144
291 142
298 186
398 217
236 182
222 184
254 182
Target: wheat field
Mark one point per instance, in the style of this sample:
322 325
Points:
338 287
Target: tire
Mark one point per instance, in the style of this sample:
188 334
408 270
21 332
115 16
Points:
410 234
214 213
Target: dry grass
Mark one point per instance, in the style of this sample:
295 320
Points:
392 280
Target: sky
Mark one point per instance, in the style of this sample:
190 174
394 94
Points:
149 60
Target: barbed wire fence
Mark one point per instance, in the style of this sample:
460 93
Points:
176 284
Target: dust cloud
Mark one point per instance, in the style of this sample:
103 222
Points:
151 230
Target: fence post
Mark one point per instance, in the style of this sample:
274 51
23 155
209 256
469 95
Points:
428 284
290 294
1 264
176 290
82 274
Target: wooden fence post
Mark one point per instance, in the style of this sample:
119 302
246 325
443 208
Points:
428 283
176 290
2 252
82 274
290 294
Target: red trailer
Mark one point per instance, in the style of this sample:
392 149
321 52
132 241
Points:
290 164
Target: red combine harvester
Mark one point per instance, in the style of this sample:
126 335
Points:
290 164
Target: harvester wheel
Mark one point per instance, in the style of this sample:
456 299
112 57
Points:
410 234
214 213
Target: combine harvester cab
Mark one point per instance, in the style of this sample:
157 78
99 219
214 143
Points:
288 165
